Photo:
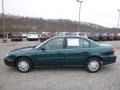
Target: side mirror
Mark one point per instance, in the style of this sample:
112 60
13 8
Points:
43 48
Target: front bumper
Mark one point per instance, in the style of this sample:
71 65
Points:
109 59
9 62
32 38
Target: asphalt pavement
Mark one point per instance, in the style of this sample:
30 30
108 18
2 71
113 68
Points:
108 78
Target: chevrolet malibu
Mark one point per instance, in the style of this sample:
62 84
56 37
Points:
62 51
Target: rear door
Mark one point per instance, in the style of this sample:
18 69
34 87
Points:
77 51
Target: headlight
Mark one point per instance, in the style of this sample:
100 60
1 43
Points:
7 55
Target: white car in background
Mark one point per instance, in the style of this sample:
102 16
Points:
82 34
32 36
24 35
66 34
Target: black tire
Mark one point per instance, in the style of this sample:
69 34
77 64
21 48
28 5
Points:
26 63
28 39
93 60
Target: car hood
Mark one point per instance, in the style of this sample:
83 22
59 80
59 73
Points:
23 49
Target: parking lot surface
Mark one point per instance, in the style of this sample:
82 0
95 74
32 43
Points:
108 78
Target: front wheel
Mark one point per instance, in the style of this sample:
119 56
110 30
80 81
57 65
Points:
24 65
93 65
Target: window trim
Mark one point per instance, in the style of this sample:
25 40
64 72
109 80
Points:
88 42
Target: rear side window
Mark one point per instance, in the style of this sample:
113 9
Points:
77 43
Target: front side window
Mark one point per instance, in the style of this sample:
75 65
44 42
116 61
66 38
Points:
54 44
77 43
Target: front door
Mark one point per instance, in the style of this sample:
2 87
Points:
52 53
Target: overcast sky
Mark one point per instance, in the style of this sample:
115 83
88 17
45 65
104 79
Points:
102 12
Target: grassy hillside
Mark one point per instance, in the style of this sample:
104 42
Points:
26 24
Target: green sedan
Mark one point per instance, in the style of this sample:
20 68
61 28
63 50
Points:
62 51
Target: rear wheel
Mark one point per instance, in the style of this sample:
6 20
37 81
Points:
93 65
23 65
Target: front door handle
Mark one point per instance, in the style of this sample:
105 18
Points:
59 53
85 52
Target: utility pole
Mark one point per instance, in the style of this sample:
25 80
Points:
118 18
79 14
3 22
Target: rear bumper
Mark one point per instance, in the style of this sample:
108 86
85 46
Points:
16 39
109 60
104 38
43 39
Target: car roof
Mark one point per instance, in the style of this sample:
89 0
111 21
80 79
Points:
71 36
75 37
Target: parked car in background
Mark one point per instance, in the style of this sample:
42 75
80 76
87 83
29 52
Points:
56 33
89 35
96 36
16 36
70 34
82 34
32 36
39 34
111 36
45 35
104 36
117 36
24 35
9 35
1 35
64 33
67 34
62 51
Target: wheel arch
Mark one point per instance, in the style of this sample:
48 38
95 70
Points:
95 56
23 57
